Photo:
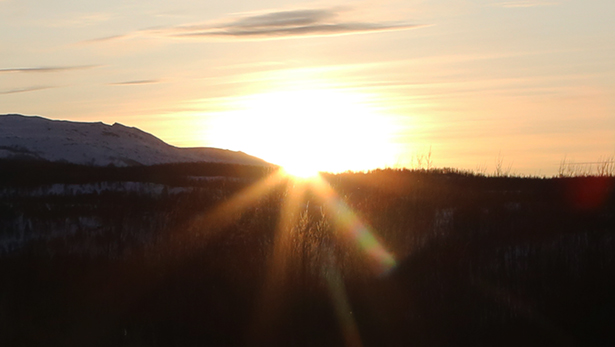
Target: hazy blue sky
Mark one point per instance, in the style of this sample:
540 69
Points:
530 81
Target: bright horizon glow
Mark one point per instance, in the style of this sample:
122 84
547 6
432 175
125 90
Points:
307 131
300 172
528 81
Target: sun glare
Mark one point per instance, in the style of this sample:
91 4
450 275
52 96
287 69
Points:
300 171
307 131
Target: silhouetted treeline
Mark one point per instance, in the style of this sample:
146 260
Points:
480 260
34 172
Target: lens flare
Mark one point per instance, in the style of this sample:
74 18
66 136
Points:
269 312
347 221
337 291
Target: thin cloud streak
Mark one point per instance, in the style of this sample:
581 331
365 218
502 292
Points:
25 90
313 30
151 31
136 82
104 39
283 24
47 69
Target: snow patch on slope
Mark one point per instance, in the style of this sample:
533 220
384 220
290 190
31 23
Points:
99 144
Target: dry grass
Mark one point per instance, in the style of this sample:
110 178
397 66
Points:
604 167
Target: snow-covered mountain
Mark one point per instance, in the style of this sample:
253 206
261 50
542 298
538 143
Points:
32 137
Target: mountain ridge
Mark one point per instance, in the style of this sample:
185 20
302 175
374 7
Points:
99 144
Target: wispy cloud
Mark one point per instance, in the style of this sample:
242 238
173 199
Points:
136 82
104 39
282 24
137 33
525 3
24 90
46 69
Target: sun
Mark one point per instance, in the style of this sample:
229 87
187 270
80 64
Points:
307 131
300 171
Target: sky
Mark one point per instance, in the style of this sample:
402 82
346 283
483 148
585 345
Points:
523 84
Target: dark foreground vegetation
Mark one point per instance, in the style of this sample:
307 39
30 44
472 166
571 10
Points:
144 257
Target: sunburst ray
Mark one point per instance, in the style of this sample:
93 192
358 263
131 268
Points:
339 298
272 296
352 227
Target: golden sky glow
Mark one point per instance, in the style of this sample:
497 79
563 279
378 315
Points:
308 130
531 81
